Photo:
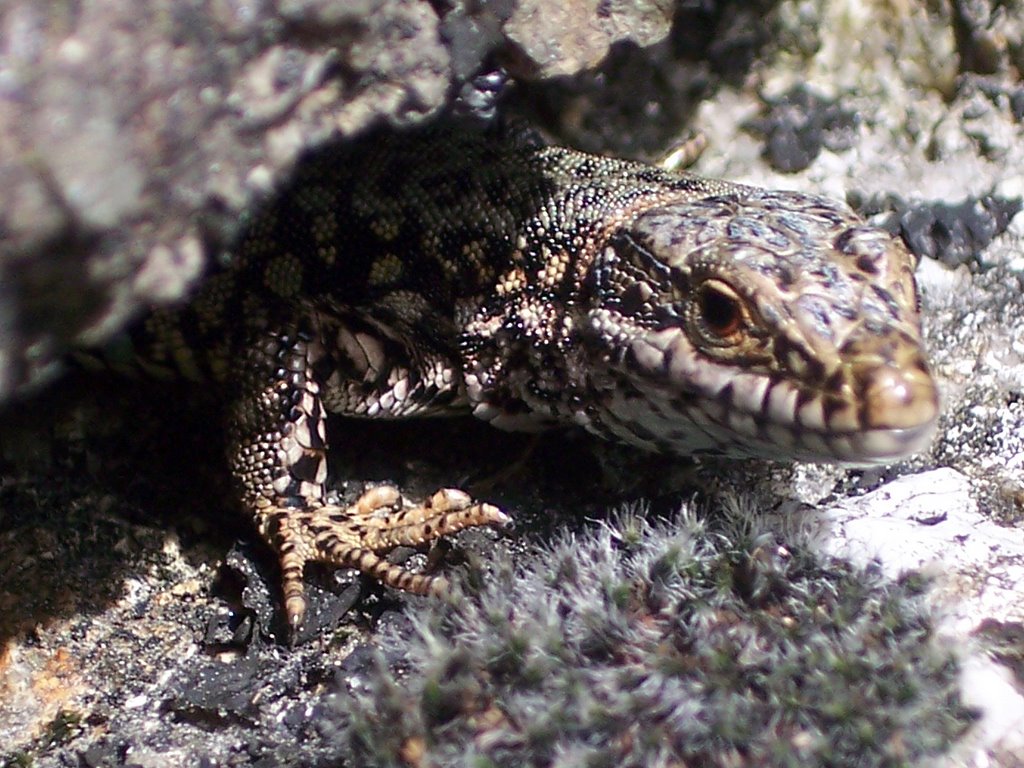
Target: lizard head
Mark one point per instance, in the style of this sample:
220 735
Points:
757 323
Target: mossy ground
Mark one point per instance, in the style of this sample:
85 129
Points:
684 642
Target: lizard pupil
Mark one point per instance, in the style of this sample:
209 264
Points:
720 312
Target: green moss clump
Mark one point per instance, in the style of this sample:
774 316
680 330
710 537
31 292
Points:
642 644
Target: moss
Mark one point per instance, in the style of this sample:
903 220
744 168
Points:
657 644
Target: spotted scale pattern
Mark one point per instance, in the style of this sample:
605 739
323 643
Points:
446 269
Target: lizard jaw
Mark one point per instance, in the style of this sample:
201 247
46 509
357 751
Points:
869 412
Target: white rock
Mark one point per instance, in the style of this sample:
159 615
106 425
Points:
930 522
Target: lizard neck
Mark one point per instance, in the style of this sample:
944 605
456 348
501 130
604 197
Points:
524 356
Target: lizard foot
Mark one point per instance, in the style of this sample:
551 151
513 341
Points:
355 536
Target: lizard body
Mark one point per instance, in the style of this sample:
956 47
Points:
442 270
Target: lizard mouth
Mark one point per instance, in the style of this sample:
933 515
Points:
870 411
894 416
887 414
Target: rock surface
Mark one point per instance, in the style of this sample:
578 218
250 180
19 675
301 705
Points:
133 138
132 141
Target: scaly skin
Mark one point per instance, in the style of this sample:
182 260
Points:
443 270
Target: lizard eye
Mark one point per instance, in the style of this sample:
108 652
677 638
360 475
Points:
719 312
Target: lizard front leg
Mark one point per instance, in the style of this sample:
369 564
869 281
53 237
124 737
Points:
278 453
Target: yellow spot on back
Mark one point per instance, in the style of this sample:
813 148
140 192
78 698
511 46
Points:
325 230
327 253
554 271
386 269
283 275
387 229
511 282
451 267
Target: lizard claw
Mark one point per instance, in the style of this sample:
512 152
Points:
357 535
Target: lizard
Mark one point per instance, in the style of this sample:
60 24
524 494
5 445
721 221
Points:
448 269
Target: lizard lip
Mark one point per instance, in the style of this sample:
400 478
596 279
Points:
890 411
877 409
883 445
892 414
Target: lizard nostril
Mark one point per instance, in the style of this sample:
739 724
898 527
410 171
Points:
895 398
